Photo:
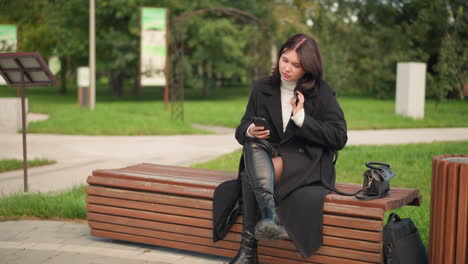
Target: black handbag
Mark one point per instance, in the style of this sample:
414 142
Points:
376 181
402 243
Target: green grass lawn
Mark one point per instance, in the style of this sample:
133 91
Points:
412 164
65 205
145 115
14 164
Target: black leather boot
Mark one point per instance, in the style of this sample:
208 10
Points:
261 174
247 253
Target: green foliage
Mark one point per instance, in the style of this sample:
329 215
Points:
217 54
28 15
68 25
452 68
15 164
361 41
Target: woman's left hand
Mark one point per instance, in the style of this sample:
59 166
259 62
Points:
300 105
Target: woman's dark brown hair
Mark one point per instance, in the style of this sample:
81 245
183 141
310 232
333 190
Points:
310 59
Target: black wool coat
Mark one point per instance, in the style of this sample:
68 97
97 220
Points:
308 169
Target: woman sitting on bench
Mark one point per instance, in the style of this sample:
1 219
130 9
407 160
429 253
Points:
291 130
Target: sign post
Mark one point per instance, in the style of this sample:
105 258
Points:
83 79
92 55
23 69
153 50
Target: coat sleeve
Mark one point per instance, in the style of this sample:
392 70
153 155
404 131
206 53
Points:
247 118
329 128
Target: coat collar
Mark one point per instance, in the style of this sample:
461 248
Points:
273 104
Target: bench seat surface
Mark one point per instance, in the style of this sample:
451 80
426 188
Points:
172 206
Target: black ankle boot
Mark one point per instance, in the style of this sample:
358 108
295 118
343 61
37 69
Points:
261 174
247 253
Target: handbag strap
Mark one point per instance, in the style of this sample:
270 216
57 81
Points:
393 217
370 165
366 197
333 189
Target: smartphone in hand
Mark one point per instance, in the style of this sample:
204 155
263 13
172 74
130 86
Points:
260 121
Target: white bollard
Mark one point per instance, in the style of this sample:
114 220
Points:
10 114
410 89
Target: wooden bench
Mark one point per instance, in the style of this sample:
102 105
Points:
172 207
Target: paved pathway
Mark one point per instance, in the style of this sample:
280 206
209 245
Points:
53 242
31 242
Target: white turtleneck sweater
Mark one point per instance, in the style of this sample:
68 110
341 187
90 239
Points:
287 94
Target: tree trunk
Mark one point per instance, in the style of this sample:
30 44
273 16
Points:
116 82
207 81
137 88
219 81
63 75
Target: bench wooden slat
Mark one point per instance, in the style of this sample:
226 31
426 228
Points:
224 246
352 244
352 233
150 215
207 214
322 251
343 221
372 238
160 177
151 186
150 197
328 240
177 170
289 252
393 201
213 251
166 235
164 243
330 208
353 210
347 253
150 224
356 223
331 241
333 220
162 173
153 207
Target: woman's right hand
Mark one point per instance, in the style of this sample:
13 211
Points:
259 132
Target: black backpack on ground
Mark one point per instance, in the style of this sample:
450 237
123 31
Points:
402 243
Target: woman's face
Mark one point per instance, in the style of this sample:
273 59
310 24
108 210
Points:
290 67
